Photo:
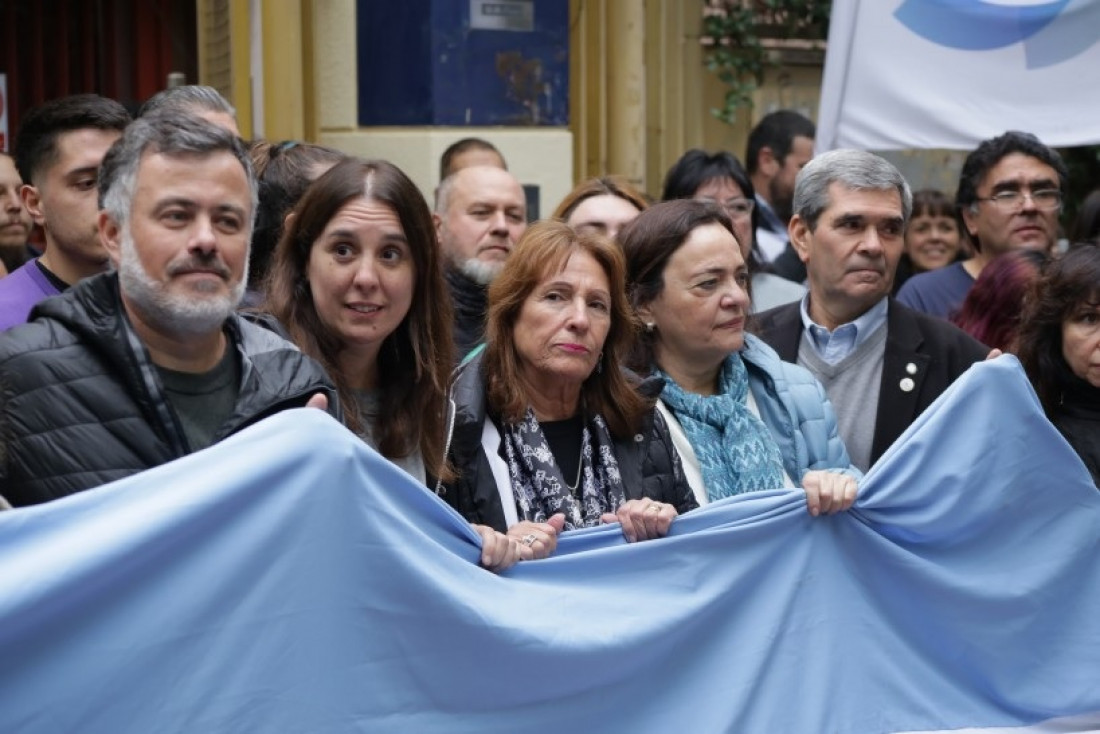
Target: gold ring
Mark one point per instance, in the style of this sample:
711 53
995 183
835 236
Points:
653 508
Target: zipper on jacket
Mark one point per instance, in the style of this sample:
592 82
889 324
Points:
452 409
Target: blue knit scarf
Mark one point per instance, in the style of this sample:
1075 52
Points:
735 449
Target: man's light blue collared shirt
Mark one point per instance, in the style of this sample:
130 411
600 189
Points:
833 346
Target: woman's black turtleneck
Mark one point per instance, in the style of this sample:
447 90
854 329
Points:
1077 417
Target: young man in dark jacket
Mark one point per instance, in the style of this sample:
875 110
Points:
149 362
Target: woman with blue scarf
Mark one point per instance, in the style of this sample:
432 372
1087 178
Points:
741 419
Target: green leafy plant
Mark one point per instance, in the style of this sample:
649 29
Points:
742 39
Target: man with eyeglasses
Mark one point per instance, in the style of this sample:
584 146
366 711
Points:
1009 198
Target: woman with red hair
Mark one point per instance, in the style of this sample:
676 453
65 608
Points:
991 311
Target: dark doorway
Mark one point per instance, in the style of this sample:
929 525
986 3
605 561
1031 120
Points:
123 49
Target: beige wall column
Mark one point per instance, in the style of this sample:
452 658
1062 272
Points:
334 81
223 30
626 89
283 70
587 87
245 43
677 112
637 94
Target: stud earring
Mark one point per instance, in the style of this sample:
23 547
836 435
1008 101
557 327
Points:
650 327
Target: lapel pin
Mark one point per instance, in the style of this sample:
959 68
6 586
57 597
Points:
911 369
907 385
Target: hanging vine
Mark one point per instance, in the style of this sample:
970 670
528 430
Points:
741 39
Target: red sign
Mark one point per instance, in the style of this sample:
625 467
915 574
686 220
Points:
4 112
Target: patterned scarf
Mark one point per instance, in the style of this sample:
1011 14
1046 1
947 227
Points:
537 482
735 449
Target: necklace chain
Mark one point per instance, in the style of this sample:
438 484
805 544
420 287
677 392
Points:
580 469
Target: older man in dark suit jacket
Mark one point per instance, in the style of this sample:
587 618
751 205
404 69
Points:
881 363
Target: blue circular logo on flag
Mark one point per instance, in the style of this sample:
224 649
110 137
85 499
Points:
1052 31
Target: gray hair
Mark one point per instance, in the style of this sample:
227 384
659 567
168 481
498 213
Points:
189 98
443 194
853 169
171 135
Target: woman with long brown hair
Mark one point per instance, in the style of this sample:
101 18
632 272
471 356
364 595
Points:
550 433
357 283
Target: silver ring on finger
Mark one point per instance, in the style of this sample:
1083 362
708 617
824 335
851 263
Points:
529 539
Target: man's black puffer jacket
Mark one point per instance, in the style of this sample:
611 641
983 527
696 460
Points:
81 403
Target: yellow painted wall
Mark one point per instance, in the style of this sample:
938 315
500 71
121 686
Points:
285 67
223 49
618 48
225 40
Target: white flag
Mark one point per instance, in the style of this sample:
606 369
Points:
951 73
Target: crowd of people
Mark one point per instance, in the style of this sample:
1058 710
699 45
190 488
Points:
624 361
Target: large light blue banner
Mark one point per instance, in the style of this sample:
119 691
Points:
950 73
290 580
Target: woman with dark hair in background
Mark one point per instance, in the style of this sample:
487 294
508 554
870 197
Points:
991 311
1086 225
550 434
932 238
284 171
721 179
1060 348
601 205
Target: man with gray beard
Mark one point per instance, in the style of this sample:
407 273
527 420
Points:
480 213
149 362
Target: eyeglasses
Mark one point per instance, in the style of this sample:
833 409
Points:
1012 200
737 208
